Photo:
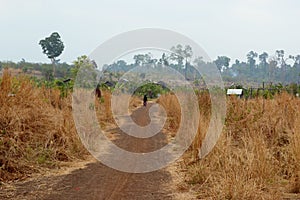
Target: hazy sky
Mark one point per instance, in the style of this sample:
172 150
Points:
230 27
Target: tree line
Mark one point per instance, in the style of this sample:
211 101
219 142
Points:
256 68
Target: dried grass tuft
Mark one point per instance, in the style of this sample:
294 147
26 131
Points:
257 155
36 128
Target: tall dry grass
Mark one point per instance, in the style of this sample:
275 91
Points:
36 128
104 107
257 155
173 110
172 107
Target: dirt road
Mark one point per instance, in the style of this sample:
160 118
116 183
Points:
97 181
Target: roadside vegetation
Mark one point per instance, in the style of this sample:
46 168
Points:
36 128
257 155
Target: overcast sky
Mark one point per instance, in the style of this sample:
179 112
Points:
231 27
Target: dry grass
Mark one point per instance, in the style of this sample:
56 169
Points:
36 128
172 108
103 107
257 156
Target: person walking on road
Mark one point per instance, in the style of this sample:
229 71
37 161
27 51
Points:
145 100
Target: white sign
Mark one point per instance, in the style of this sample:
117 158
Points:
234 91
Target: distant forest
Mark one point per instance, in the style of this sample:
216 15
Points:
63 70
256 68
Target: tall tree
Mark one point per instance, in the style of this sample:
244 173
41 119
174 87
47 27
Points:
181 54
296 60
222 62
272 68
53 47
263 63
282 64
177 54
251 59
252 62
263 58
141 59
163 60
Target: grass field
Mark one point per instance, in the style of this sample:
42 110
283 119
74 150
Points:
36 128
256 157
